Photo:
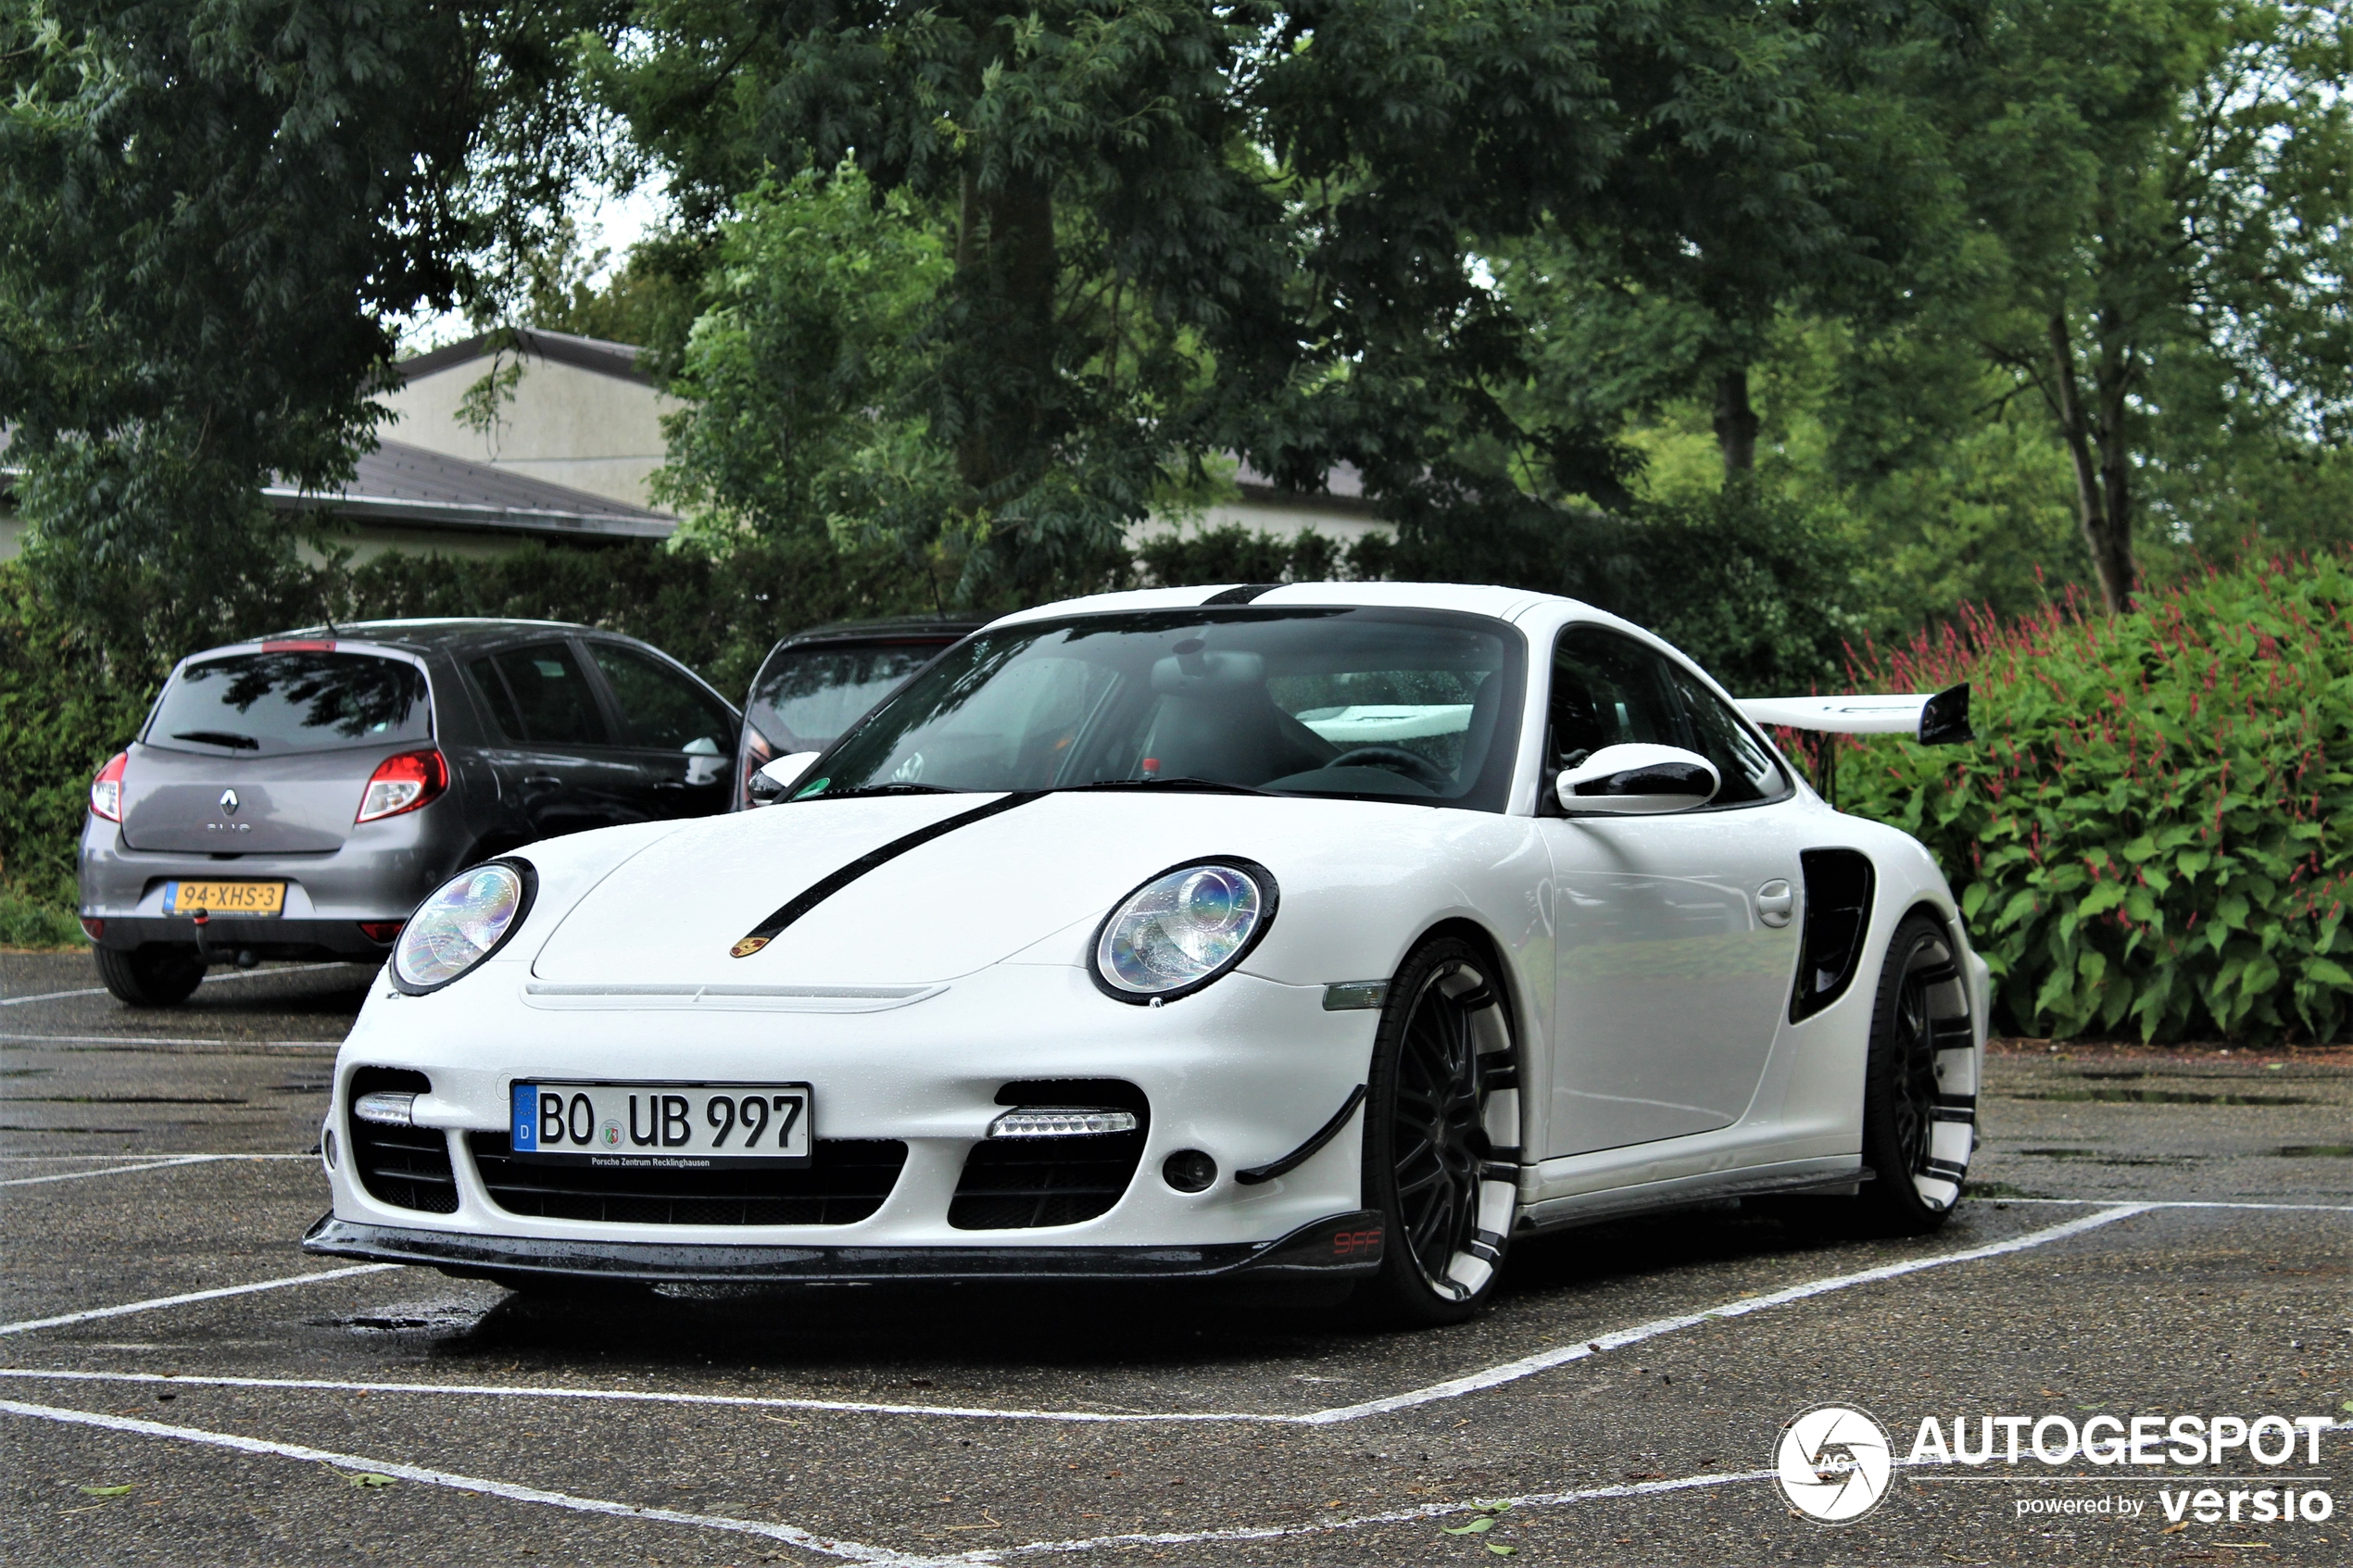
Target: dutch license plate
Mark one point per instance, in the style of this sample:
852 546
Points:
692 1125
224 897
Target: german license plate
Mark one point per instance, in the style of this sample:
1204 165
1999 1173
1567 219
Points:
694 1126
224 897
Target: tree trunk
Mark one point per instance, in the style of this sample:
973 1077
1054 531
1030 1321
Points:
1006 269
2103 493
1735 422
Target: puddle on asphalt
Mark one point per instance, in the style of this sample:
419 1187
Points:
2155 1096
440 1319
2101 1157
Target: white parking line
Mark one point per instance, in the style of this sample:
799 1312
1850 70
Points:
150 1154
158 1163
1509 1372
2186 1203
807 1541
156 1040
28 1325
1394 1516
208 980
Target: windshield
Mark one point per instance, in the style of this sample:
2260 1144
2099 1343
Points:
805 698
1376 704
268 703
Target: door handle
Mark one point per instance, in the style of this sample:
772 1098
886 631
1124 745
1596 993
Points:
1776 902
542 781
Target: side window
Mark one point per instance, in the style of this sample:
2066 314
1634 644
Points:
1745 765
549 695
494 696
660 709
1609 690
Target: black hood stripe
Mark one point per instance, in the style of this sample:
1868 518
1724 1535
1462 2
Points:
759 935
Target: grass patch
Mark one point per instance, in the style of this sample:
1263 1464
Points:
27 920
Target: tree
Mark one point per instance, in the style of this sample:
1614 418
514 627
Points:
210 215
1176 229
2171 184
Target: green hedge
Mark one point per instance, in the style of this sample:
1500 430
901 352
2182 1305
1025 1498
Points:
2150 835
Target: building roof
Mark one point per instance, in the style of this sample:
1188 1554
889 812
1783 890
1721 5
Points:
561 348
397 482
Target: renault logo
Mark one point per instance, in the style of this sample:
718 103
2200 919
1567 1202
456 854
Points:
229 802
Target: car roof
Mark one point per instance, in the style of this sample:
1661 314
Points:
1504 604
886 629
418 634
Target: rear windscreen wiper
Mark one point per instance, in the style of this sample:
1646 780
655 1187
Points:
219 738
1181 780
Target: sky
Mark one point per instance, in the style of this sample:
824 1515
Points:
610 220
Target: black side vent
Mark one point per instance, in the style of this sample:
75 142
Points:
1838 914
407 1167
1025 1183
846 1181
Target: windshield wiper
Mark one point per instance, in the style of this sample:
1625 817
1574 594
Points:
1181 780
884 789
219 738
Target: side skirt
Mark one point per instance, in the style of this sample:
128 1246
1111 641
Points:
1833 1176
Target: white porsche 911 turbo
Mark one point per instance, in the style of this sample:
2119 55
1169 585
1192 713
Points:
1328 931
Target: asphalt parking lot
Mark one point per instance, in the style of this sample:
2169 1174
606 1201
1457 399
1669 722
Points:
2148 1233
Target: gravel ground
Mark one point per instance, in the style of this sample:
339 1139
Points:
156 1154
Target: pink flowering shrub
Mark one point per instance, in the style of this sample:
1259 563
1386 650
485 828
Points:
2150 835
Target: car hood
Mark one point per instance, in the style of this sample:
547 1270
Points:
978 892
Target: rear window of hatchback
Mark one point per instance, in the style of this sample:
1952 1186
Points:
279 701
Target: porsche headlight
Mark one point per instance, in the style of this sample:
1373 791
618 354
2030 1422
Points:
466 920
1182 929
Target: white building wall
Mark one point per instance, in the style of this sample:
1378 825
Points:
568 426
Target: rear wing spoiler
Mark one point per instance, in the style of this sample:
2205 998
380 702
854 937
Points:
1933 718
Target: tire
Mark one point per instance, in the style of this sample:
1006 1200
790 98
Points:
1920 1086
1442 1135
153 976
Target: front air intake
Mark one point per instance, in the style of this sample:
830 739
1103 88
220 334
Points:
845 1180
1027 1182
1838 917
406 1167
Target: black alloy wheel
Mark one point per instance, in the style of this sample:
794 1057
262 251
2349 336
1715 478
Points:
1443 1086
1919 1018
157 975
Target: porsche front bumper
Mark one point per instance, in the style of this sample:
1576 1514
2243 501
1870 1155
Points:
1249 1071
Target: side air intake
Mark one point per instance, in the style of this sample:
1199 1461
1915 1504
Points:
1838 914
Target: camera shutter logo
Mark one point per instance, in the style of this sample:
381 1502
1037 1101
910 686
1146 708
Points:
1833 1464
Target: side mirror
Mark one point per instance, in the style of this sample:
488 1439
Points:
1636 781
769 785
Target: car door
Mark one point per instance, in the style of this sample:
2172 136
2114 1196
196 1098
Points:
556 765
1675 936
678 735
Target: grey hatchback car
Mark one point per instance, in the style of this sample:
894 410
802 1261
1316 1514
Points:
296 796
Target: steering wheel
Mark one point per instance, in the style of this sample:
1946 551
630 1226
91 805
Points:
1397 760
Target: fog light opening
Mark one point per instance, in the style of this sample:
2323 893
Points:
1028 1123
386 1109
1189 1170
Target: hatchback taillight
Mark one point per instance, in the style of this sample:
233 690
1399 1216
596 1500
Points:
106 790
403 783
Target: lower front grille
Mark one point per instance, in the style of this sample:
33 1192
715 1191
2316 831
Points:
1028 1183
407 1167
847 1181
